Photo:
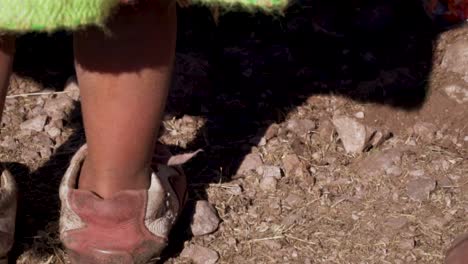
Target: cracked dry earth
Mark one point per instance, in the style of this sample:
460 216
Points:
328 180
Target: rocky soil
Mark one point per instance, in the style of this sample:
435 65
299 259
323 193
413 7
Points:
347 151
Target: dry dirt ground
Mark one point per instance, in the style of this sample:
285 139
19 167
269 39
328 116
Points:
324 142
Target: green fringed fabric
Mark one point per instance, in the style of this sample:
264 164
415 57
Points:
22 16
51 15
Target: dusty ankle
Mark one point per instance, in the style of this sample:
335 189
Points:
106 183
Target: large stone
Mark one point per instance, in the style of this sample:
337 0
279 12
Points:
200 255
205 219
352 133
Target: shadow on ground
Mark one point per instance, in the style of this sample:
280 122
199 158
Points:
259 69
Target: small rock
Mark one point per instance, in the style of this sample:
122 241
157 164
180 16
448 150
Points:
42 140
12 119
359 115
35 124
465 139
293 200
262 142
9 143
59 141
291 164
426 131
417 173
457 93
394 171
251 162
299 147
56 123
291 219
268 183
53 132
445 182
454 177
313 170
59 108
455 58
353 134
45 152
326 129
186 119
378 137
200 255
294 254
5 120
406 244
271 131
232 242
301 127
396 222
205 219
235 189
380 162
275 204
441 164
419 189
271 171
317 156
29 155
38 110
72 89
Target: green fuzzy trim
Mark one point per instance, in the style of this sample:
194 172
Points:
23 16
50 15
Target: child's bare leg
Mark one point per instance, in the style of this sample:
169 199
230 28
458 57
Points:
7 50
124 81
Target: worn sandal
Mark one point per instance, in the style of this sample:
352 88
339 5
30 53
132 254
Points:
132 226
